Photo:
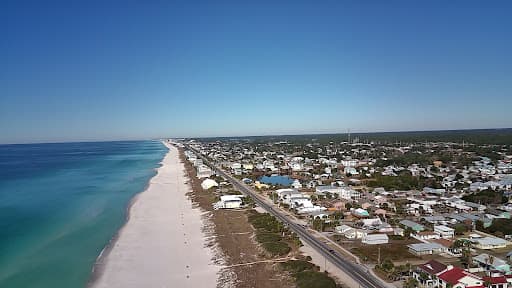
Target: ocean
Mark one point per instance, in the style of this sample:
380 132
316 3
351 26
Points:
61 204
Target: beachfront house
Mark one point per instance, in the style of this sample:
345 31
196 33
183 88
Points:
229 202
203 171
209 183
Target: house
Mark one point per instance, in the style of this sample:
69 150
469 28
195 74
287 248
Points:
413 225
475 206
398 231
209 183
426 235
374 239
342 192
349 232
229 202
323 190
493 213
203 171
420 249
456 277
349 194
310 209
339 205
296 184
491 263
497 280
371 223
197 162
444 231
248 166
260 185
342 228
236 168
360 213
319 215
354 234
436 219
489 243
288 195
448 244
385 228
426 274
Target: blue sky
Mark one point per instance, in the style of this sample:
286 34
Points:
105 70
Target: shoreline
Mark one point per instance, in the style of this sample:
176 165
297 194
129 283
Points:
147 251
97 269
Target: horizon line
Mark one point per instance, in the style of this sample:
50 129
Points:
250 136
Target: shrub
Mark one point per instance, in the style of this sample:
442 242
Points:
267 237
296 266
313 279
265 222
276 248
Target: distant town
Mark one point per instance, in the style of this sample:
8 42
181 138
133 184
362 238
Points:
415 213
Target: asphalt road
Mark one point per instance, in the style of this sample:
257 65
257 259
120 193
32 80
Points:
357 272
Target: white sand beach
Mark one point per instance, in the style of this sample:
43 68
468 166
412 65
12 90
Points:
162 244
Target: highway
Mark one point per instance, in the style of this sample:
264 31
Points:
358 273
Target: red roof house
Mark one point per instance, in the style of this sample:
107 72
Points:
459 278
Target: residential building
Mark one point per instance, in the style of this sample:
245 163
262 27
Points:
420 249
426 274
413 225
374 239
229 202
489 243
444 231
209 183
456 277
491 263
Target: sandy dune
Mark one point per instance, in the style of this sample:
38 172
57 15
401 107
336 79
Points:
162 243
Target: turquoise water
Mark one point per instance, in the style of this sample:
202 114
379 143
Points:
60 204
276 180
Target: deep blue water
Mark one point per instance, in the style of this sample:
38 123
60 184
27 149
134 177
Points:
276 180
60 204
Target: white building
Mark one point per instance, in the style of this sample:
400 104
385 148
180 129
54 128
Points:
489 243
419 249
444 231
374 239
229 202
204 171
296 184
209 183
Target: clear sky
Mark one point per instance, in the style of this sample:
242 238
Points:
101 70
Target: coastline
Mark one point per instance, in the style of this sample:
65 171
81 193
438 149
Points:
160 243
